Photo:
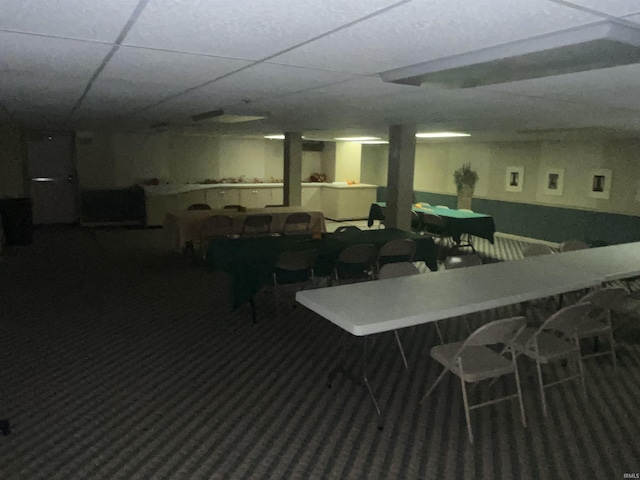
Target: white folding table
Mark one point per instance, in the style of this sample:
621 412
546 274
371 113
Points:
367 308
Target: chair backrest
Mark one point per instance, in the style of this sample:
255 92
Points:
397 250
257 224
216 225
461 261
377 212
537 249
296 260
237 208
571 245
604 297
298 222
361 253
498 331
294 267
567 318
199 206
398 269
347 229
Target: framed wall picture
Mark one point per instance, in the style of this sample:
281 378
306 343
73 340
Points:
554 181
599 183
514 179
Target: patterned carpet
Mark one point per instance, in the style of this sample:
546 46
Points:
121 361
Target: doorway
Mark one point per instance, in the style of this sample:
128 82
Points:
52 178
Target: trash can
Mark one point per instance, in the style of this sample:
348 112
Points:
17 220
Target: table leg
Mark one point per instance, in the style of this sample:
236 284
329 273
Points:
365 379
341 368
252 304
5 426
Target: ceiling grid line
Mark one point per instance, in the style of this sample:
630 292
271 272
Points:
267 58
597 12
123 33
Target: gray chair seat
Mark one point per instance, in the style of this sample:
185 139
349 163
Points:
550 346
479 362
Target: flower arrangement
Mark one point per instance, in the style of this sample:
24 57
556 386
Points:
465 177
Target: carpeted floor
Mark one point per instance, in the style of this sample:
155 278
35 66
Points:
121 361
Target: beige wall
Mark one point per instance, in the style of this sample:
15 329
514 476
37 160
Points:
348 156
436 162
121 159
373 168
11 176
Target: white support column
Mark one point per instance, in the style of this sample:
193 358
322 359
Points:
292 194
402 152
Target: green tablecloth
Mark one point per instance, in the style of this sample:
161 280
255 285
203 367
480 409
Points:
457 222
250 261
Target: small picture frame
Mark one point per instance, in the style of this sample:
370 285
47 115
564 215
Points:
600 183
554 181
514 179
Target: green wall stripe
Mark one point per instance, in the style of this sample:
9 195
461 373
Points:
554 224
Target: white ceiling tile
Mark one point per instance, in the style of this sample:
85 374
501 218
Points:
248 29
613 87
271 80
429 29
50 57
616 8
85 19
634 18
143 66
256 82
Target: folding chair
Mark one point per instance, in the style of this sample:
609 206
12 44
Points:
548 344
355 264
296 223
396 250
257 225
473 361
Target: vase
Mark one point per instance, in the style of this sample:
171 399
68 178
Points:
465 194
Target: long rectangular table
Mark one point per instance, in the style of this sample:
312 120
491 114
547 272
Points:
457 222
184 228
385 305
250 261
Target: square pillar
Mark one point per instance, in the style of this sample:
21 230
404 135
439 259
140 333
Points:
402 153
292 194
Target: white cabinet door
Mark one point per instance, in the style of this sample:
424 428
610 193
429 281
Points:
255 197
219 197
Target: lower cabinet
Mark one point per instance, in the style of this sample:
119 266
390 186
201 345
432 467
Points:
219 197
336 202
255 197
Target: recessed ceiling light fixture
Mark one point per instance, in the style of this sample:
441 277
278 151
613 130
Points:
278 136
357 139
442 135
373 142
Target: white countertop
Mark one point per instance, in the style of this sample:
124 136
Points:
173 188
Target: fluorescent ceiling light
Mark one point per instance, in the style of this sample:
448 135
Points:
357 139
442 135
373 142
278 136
603 45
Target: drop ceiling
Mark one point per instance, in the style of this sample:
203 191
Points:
305 65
